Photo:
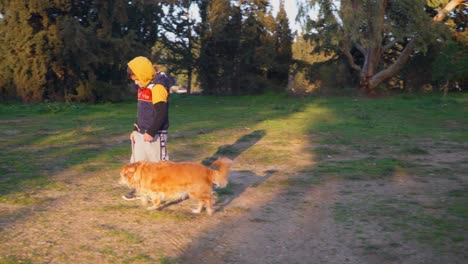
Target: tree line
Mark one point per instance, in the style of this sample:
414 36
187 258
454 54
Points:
77 50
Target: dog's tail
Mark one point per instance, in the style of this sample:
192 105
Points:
221 177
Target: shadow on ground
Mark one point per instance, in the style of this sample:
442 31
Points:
234 150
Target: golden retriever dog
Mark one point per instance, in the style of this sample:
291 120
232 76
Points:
168 180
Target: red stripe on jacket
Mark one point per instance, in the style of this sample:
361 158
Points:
145 94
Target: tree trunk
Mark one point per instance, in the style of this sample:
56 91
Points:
373 48
371 62
189 80
190 54
445 88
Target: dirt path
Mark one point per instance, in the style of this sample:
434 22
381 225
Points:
270 215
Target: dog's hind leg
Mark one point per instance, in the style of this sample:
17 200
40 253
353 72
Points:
209 206
204 202
199 208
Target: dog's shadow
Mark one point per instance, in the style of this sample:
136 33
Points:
170 203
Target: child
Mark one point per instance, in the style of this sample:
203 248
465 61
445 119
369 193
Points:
149 135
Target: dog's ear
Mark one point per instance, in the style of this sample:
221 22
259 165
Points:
216 163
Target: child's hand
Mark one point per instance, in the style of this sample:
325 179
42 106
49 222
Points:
147 137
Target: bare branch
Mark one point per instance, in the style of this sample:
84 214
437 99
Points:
442 14
360 48
347 52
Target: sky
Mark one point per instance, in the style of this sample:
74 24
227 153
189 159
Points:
291 11
289 5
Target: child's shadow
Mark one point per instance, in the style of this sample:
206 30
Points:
239 180
234 150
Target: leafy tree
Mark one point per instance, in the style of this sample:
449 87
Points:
450 64
367 31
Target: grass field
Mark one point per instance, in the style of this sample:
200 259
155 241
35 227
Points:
315 140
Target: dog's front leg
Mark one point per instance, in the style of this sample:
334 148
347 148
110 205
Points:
156 204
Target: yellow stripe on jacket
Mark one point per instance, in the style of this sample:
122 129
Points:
159 94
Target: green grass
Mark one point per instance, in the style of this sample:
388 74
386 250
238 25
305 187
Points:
173 216
365 168
139 259
14 260
122 235
458 204
348 139
410 217
290 182
393 120
71 136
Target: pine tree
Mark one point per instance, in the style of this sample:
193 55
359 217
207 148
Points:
30 41
219 42
65 50
283 46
